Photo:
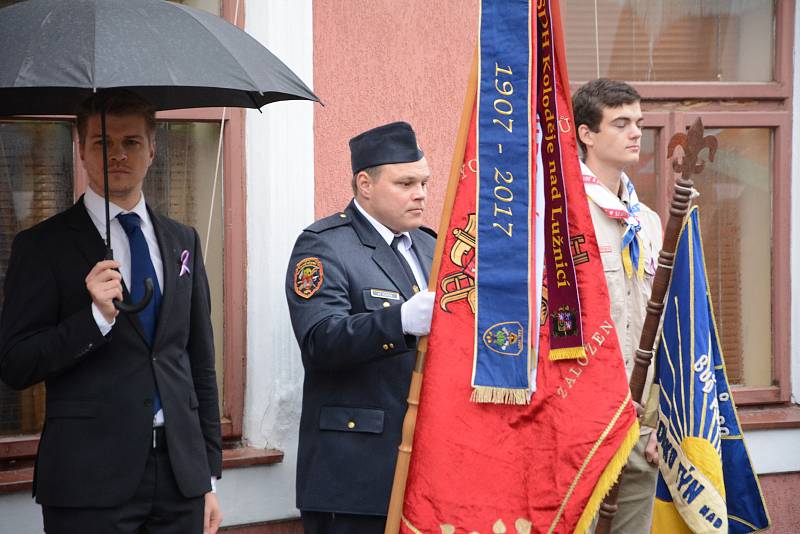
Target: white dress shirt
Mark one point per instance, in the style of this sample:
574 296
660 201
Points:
95 205
404 246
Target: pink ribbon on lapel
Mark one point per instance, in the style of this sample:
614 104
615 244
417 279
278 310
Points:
185 263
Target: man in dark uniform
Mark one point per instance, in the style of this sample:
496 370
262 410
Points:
356 287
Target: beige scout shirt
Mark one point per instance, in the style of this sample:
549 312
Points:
629 296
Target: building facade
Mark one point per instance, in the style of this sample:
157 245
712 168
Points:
731 63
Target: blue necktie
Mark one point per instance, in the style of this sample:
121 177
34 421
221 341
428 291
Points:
141 268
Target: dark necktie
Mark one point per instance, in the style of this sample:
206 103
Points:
406 267
141 268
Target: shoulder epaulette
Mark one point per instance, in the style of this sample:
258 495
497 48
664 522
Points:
332 221
429 231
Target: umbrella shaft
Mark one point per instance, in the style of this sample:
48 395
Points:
105 176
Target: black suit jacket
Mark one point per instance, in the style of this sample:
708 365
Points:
357 363
98 428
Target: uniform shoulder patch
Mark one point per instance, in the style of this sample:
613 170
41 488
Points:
308 277
332 221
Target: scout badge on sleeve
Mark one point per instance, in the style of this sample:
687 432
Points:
308 277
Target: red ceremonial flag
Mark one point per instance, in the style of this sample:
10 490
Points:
543 464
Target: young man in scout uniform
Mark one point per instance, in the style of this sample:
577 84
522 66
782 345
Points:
608 116
357 293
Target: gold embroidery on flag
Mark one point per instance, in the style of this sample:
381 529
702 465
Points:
522 525
460 285
610 474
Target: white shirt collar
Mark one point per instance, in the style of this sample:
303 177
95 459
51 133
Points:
96 206
385 233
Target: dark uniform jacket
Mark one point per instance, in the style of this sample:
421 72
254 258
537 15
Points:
357 361
99 417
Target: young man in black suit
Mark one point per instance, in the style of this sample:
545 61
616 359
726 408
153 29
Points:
132 435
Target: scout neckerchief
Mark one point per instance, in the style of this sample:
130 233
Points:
632 259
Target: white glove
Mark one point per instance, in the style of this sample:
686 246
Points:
416 313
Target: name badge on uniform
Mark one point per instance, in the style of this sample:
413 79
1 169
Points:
384 294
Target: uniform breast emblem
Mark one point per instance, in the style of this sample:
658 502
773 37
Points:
308 277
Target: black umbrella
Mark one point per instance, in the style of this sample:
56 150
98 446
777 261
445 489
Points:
57 53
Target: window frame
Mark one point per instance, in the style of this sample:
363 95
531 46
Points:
669 122
779 122
23 447
742 105
760 114
778 89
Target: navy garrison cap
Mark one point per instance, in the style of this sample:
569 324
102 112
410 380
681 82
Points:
391 143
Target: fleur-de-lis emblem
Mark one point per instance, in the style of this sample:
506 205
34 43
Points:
692 143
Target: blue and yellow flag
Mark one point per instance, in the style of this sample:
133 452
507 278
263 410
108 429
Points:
706 481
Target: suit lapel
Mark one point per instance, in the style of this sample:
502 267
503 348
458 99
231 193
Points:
169 246
87 239
383 255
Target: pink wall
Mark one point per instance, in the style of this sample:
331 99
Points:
377 61
781 492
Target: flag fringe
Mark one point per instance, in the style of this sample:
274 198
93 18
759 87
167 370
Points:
569 353
608 478
490 395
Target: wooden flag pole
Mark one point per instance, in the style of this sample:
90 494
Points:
692 143
409 422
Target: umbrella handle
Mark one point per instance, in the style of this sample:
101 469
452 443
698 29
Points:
148 291
142 304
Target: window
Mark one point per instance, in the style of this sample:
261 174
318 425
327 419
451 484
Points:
734 207
728 63
41 175
36 174
668 41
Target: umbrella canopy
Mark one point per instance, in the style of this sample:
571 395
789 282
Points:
57 53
